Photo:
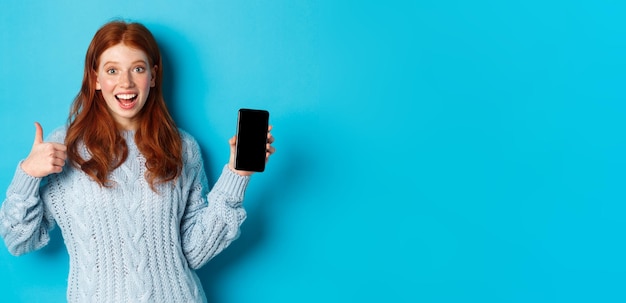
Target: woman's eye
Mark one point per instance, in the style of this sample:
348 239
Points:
111 71
140 69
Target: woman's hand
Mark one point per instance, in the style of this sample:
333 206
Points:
45 158
269 150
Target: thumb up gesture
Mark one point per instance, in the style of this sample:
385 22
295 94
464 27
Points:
44 158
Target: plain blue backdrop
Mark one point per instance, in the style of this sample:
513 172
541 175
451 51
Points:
428 151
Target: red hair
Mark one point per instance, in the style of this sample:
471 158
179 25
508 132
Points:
157 136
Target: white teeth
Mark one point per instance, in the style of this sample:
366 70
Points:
126 96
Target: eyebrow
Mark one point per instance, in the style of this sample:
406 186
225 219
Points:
134 62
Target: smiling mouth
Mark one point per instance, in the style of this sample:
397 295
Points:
127 101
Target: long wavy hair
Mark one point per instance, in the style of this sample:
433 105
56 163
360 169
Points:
91 124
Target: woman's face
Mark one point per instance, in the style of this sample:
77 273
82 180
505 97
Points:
125 77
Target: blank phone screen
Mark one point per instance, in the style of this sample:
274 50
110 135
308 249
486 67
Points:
251 140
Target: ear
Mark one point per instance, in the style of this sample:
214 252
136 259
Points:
154 73
95 76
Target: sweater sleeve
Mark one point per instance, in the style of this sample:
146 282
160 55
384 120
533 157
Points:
211 220
24 221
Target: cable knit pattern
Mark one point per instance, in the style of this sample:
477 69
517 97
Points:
127 243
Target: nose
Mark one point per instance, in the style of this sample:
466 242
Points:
126 79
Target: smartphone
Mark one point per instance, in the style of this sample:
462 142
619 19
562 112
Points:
251 144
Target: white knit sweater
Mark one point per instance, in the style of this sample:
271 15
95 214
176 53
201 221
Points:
127 243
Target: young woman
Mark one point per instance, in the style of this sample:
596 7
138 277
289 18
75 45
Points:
126 187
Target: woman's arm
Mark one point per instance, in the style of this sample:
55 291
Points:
24 222
208 227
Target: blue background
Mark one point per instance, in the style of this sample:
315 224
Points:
428 151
